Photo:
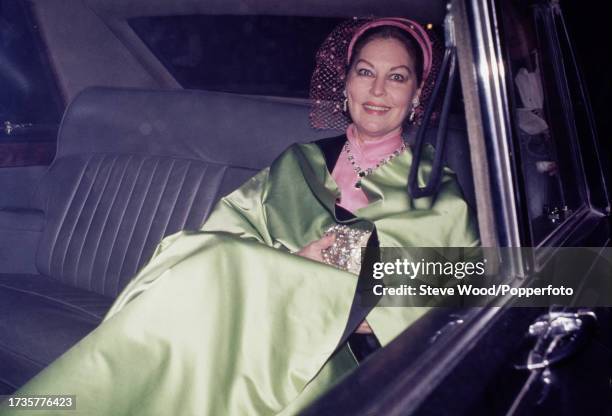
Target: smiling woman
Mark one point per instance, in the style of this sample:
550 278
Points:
381 88
383 84
210 326
243 313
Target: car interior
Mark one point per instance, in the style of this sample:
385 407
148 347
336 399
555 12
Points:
125 122
138 156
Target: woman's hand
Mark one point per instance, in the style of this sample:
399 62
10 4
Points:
363 328
313 250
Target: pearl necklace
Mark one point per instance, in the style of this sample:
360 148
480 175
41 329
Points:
365 172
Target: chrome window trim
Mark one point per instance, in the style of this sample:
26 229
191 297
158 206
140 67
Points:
490 78
481 53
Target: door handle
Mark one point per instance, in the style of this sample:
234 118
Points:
559 335
9 127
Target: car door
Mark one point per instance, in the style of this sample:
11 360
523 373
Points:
541 185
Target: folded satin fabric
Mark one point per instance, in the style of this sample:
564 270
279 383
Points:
226 321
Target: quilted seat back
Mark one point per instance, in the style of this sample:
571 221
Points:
134 166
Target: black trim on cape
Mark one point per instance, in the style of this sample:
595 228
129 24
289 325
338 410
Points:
361 345
331 149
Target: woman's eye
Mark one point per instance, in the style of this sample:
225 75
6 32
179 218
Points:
364 72
397 77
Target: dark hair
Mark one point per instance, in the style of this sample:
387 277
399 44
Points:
391 32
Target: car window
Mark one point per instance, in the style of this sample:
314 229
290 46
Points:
30 103
548 155
267 55
586 78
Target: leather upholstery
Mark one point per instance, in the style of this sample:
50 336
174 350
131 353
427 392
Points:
107 212
132 166
40 319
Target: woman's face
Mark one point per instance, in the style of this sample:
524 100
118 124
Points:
380 87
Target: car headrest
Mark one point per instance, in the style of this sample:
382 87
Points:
222 128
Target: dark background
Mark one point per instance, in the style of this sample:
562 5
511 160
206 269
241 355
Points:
269 55
589 23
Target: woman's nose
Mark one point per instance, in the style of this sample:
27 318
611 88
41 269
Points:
377 88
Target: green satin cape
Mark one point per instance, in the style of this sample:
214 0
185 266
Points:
226 321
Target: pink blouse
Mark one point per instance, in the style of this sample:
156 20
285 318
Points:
367 154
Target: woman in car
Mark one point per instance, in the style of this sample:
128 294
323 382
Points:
247 317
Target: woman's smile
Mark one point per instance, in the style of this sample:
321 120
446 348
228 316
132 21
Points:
380 87
375 109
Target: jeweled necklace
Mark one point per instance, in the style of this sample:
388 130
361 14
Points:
365 172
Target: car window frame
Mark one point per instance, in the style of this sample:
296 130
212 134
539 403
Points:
28 142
